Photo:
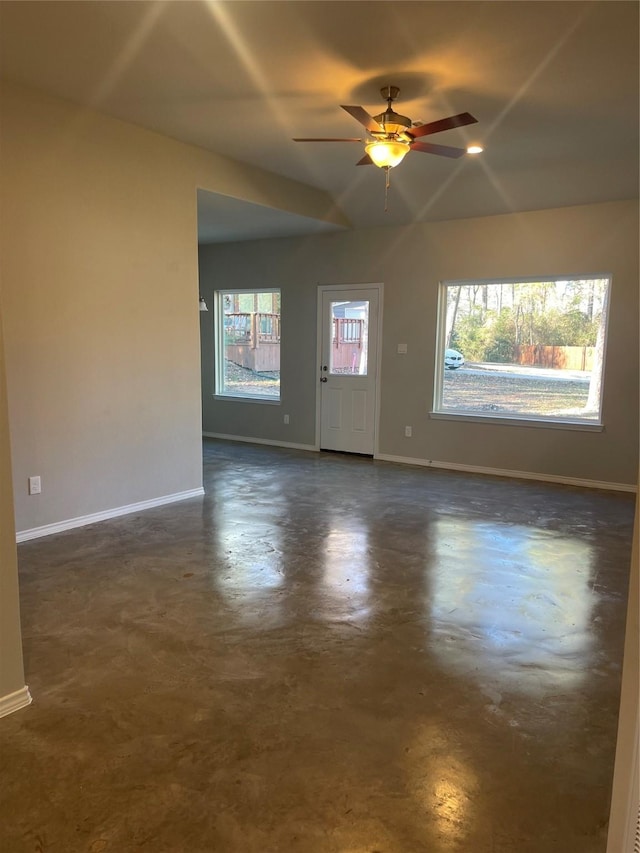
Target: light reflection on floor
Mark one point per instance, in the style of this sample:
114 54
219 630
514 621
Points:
511 602
249 571
346 568
444 784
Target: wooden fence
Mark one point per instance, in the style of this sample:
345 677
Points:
562 358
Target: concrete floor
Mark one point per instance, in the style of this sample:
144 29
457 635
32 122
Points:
324 655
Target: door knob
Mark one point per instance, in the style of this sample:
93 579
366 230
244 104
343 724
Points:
323 379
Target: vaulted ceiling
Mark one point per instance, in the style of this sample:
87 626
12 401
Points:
554 86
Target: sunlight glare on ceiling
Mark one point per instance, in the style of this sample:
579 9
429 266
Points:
131 49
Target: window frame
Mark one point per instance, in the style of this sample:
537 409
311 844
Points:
440 412
219 348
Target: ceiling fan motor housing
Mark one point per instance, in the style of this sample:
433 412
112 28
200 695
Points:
391 121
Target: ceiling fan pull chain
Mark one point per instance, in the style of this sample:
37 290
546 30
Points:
386 188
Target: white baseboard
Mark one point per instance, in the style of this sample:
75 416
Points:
14 701
451 466
290 444
83 520
514 475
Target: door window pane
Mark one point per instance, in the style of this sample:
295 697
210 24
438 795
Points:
349 337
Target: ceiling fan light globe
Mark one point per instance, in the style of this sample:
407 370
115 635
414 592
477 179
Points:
387 152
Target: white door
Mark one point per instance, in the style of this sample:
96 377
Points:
349 369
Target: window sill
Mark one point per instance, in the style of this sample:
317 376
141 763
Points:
515 420
245 398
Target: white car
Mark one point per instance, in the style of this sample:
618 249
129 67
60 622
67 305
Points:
453 359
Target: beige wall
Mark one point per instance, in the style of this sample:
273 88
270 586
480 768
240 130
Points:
98 254
411 261
11 669
100 296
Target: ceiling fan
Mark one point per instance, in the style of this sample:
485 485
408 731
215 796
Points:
392 136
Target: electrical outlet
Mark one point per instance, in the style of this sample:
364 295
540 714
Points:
408 432
35 485
286 419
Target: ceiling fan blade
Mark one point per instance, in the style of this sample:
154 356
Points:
460 120
443 150
361 115
327 139
365 161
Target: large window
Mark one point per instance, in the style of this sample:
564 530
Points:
523 349
248 344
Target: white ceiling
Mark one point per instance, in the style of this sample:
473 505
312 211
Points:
554 86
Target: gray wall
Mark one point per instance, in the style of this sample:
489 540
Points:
411 261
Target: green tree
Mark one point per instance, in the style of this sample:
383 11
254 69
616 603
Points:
500 343
470 335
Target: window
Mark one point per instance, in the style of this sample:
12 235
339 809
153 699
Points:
248 344
523 349
349 337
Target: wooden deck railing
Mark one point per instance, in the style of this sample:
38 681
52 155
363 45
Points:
252 329
347 331
347 343
252 340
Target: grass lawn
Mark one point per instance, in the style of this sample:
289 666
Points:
239 380
495 392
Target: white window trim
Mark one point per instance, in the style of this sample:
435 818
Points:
439 412
517 420
248 398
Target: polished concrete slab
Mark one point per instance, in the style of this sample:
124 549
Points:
326 654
